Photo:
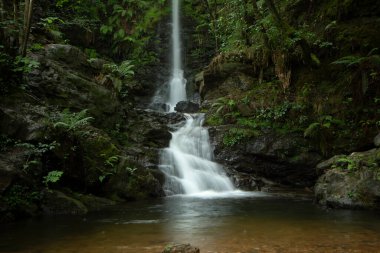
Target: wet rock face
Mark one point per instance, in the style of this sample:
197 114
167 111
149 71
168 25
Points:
221 80
351 181
66 79
187 107
181 248
285 159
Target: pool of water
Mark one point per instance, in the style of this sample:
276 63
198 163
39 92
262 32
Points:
216 223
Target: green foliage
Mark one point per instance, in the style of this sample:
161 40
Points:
362 72
214 120
72 122
52 26
36 47
111 163
19 197
119 75
346 163
25 64
236 135
91 53
224 105
322 132
5 143
124 70
130 24
52 177
35 153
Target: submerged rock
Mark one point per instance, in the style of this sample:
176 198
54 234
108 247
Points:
351 181
181 248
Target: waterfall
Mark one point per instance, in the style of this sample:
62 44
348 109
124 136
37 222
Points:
187 163
177 87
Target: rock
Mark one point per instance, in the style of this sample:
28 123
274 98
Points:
65 79
11 164
282 158
57 203
23 121
181 248
94 203
350 181
376 140
66 53
325 165
187 107
226 77
133 184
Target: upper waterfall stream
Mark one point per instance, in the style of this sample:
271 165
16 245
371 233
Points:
177 87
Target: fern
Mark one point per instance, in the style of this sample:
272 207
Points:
72 121
311 130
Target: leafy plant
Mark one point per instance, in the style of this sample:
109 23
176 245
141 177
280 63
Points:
25 64
224 105
71 122
20 196
362 71
235 135
35 152
52 177
322 131
51 25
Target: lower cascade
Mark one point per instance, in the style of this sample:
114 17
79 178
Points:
187 162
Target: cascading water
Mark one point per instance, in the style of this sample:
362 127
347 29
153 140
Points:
177 87
187 163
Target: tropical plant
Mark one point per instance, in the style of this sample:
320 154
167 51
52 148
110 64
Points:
52 177
322 132
362 71
71 122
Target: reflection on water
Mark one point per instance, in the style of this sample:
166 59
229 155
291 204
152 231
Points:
242 223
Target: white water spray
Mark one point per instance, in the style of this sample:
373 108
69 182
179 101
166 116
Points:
177 87
187 163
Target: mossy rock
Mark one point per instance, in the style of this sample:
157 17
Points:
58 203
350 181
134 184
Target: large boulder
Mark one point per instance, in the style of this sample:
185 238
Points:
224 78
133 183
268 156
187 107
58 203
351 181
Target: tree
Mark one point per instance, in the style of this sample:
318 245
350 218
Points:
28 10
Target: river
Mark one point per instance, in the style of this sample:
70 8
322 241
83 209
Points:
241 222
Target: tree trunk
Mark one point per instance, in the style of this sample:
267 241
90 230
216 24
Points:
27 23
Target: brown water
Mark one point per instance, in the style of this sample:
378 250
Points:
235 224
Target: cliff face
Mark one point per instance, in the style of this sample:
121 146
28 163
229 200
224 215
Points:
269 129
71 135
